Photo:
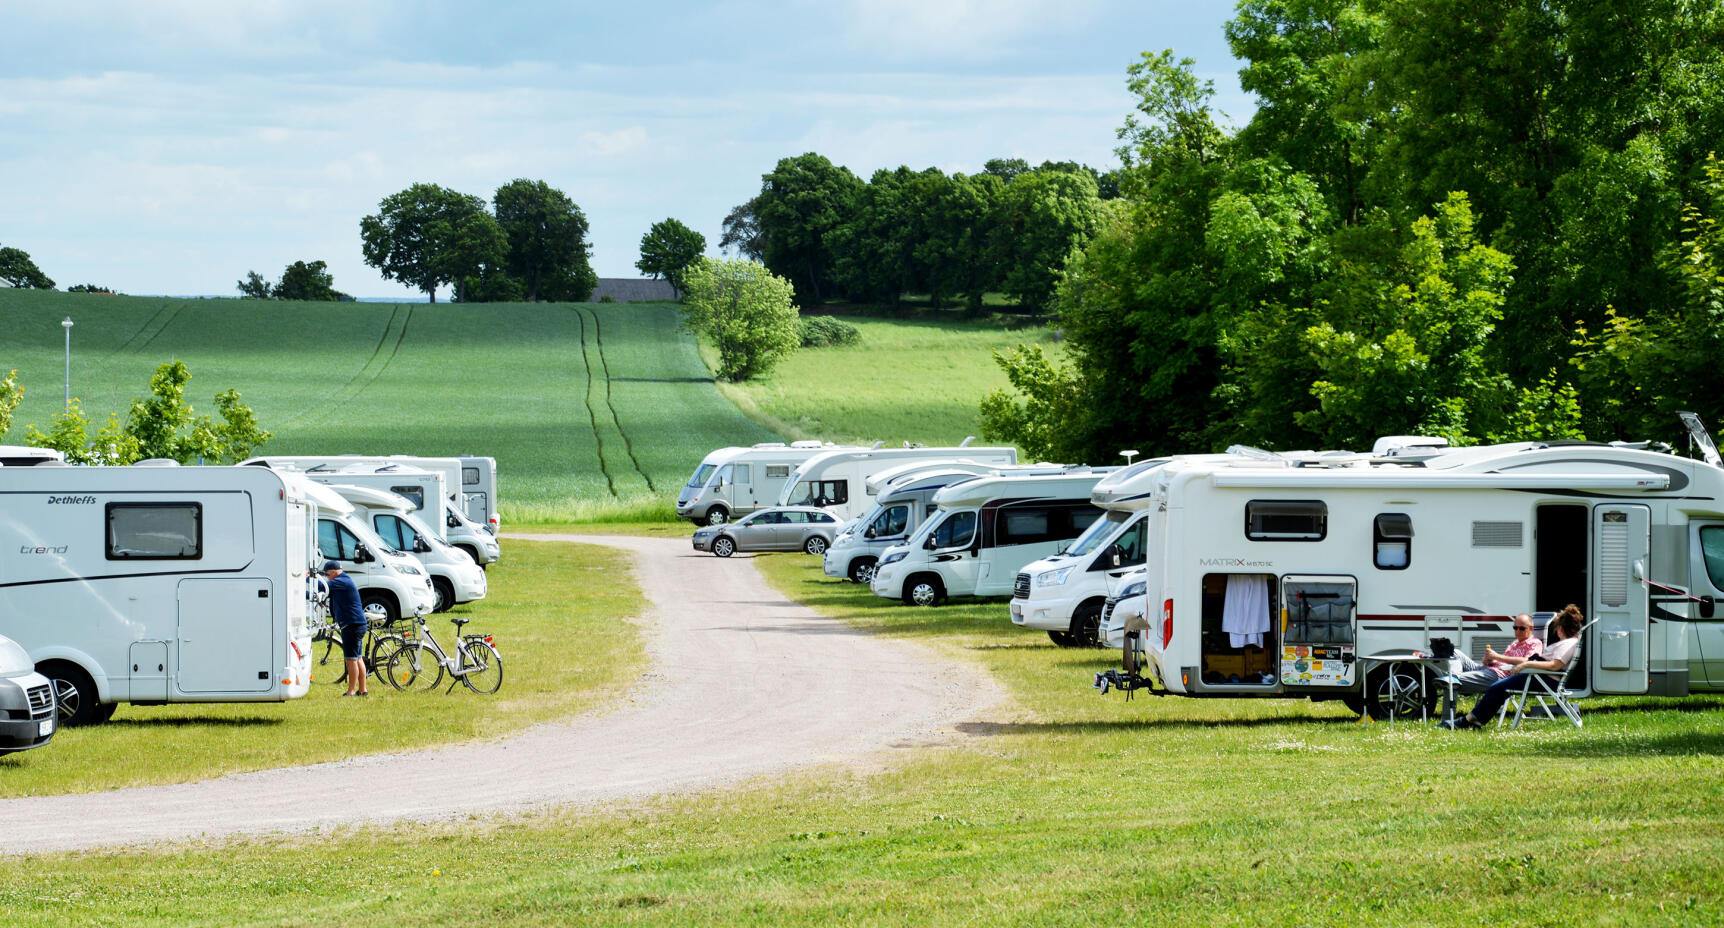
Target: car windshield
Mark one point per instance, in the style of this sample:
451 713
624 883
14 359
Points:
1099 531
700 474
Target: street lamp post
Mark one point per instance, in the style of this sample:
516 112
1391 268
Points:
67 325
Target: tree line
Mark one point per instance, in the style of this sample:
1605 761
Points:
1007 228
1485 221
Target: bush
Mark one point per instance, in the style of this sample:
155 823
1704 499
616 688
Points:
745 310
826 331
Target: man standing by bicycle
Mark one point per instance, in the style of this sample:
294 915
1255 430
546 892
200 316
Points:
349 614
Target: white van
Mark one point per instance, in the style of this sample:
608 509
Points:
454 577
730 483
901 504
391 584
837 480
159 584
1063 594
986 530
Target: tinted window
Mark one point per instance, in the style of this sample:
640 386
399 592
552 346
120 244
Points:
414 494
1286 520
1712 548
891 521
795 518
1024 526
957 531
821 517
335 541
155 531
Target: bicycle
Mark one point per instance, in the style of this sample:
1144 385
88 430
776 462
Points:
422 661
379 646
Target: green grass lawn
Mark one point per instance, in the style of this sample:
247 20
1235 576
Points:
1067 809
593 411
906 380
543 597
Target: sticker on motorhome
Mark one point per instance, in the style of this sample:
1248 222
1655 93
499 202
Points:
1232 562
71 500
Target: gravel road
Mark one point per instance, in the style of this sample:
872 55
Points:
743 683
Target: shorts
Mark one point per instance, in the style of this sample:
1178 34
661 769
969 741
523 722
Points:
353 641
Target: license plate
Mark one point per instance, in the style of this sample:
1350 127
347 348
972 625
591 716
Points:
44 728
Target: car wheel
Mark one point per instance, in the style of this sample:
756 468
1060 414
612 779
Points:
862 570
723 546
815 545
1398 690
1086 626
380 608
74 693
717 515
923 591
445 594
1063 639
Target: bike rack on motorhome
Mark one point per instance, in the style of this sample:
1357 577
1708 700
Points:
1275 575
159 584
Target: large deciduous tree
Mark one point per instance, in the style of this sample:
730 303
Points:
548 251
746 310
802 203
306 281
1039 218
18 270
668 249
427 236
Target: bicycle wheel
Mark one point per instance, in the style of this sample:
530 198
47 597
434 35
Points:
484 668
414 666
381 649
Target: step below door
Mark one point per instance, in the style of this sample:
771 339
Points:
226 636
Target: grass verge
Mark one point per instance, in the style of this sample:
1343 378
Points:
1070 810
543 596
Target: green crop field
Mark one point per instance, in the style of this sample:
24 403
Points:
591 410
1069 809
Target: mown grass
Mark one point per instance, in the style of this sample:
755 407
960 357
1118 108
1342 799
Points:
906 380
1062 809
593 411
559 612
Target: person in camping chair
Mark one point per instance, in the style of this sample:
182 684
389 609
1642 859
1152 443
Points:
1474 675
1553 657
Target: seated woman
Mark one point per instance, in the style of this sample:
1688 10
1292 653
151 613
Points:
1553 656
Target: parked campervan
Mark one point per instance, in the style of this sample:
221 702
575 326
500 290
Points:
26 456
1282 575
902 502
479 491
985 531
1063 594
454 576
159 584
391 584
732 482
837 481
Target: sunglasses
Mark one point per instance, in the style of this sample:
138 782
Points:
1523 628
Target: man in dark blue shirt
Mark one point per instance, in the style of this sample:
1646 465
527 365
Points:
348 613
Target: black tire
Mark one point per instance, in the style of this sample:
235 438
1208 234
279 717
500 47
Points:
924 590
723 546
380 608
414 666
1398 687
717 515
815 545
106 710
862 570
445 594
1063 639
487 677
1085 631
75 694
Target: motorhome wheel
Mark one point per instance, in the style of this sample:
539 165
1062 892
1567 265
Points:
75 692
1086 625
380 609
717 515
862 570
815 546
924 591
723 546
1398 689
445 594
473 553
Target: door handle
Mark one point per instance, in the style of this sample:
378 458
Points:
1616 634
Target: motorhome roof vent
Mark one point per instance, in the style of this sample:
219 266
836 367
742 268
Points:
875 445
56 462
779 444
1396 445
1498 534
157 462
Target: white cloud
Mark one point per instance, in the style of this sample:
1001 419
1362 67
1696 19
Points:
976 29
612 142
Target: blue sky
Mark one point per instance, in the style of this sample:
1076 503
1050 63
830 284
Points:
170 146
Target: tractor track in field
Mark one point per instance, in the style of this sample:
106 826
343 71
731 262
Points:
605 364
592 414
353 387
160 329
172 309
743 685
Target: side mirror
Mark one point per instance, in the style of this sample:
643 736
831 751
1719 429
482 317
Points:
868 533
929 544
421 546
1116 556
361 555
1708 606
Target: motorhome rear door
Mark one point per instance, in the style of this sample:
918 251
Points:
1616 648
226 636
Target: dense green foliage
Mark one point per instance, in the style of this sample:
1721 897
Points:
1486 221
591 411
159 425
301 280
668 249
826 332
548 253
18 270
746 312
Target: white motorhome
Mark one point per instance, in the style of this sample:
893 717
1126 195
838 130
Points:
1063 594
837 481
454 577
154 584
26 456
730 483
985 531
1281 575
459 528
902 501
479 491
391 584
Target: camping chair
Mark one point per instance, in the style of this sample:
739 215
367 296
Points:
1552 685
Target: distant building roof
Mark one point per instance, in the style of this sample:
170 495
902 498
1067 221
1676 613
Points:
631 289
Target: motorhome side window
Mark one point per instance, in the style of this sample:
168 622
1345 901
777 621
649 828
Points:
777 471
1712 549
1392 540
415 495
469 476
1286 520
827 493
891 522
155 531
335 541
957 531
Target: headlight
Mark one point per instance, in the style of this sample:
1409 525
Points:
1133 589
409 570
1053 577
893 558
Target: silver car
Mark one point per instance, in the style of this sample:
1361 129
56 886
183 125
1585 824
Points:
27 704
788 528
